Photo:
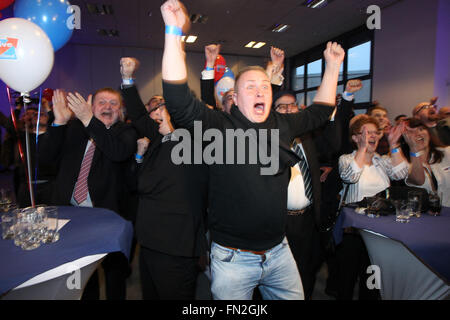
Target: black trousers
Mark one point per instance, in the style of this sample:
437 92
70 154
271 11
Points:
304 241
117 269
352 262
167 277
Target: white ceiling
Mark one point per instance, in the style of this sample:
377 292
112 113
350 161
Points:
233 22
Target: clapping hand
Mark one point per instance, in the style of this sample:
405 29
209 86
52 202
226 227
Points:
395 133
60 110
80 107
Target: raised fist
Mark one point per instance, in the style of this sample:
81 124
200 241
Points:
277 57
353 85
211 53
334 54
174 13
128 66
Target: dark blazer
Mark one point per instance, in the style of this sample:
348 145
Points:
172 198
66 145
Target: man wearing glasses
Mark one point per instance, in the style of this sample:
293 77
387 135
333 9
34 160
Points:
439 130
304 193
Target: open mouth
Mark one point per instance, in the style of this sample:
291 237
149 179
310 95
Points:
106 114
259 108
372 143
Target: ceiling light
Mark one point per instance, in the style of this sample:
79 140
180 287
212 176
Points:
259 45
315 4
191 39
250 44
280 27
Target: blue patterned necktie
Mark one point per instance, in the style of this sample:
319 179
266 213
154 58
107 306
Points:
305 172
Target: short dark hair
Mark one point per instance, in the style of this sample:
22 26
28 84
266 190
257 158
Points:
400 116
375 107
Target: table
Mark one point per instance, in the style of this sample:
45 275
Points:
414 257
90 234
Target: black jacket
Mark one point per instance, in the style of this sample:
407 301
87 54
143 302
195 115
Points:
66 146
172 198
247 210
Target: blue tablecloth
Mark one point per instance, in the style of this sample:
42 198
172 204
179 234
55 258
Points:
90 231
427 237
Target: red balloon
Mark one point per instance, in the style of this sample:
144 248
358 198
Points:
5 3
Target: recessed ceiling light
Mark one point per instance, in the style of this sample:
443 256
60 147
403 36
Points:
315 4
259 45
191 39
280 28
250 44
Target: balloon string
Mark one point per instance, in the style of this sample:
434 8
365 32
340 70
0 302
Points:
26 101
37 142
19 143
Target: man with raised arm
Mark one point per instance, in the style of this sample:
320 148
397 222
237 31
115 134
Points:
247 205
172 203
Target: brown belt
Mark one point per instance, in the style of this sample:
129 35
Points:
298 212
260 253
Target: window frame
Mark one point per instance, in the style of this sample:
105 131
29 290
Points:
348 40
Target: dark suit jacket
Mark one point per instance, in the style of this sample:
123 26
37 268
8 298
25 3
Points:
66 145
172 198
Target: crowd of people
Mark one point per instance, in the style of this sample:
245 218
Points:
253 232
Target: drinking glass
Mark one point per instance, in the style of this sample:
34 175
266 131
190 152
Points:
401 211
30 223
8 222
6 199
414 205
435 203
51 222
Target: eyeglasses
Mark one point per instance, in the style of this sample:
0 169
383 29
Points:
429 106
284 107
162 104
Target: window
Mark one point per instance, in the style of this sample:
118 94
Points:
308 68
314 73
298 78
359 61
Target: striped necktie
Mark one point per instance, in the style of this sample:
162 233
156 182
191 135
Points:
305 172
81 186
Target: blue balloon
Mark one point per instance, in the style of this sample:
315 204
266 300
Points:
51 15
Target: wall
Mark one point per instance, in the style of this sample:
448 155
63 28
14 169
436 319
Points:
405 57
442 59
87 68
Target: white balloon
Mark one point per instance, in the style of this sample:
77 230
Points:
222 86
25 66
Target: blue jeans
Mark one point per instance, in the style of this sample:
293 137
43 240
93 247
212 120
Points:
235 274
